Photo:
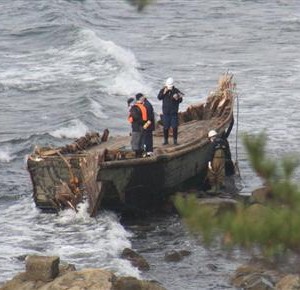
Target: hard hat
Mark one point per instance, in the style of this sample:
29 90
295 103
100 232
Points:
170 82
212 133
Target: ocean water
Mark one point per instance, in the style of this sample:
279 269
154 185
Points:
68 67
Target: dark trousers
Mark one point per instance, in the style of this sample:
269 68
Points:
148 140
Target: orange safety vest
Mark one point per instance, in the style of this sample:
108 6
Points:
143 111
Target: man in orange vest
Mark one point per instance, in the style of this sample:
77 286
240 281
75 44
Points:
137 117
149 126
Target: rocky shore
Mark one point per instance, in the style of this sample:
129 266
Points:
48 273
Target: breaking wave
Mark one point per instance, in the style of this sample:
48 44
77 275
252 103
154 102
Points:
98 110
75 129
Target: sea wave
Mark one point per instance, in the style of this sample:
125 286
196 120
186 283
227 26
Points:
80 56
74 129
121 63
20 148
97 109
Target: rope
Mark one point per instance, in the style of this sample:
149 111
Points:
236 130
236 144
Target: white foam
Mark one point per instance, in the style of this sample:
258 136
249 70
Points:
75 130
122 65
127 82
98 110
74 236
5 155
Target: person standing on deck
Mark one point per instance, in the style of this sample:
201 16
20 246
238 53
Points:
171 98
130 102
137 117
149 126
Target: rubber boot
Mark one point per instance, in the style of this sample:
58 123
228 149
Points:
175 134
166 136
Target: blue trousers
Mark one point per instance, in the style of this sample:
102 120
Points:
170 121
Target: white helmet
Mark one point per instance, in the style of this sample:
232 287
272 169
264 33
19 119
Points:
212 133
169 83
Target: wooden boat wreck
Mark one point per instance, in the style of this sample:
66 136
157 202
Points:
104 171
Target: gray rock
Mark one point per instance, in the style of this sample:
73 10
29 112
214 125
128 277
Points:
176 256
69 278
42 268
135 259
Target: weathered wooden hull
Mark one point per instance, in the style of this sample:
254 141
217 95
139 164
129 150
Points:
149 184
108 175
48 174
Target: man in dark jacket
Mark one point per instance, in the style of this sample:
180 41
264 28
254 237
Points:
216 161
171 98
149 126
229 166
137 117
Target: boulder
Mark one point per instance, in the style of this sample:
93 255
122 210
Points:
65 268
219 205
261 195
288 282
255 277
176 256
92 279
135 259
130 283
20 282
42 268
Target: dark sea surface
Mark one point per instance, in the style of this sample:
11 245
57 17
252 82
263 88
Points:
68 67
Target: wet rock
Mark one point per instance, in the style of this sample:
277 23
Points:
219 205
91 279
289 282
176 256
135 259
21 258
261 195
130 283
212 267
20 282
65 268
42 268
255 277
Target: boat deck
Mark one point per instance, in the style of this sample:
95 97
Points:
188 133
